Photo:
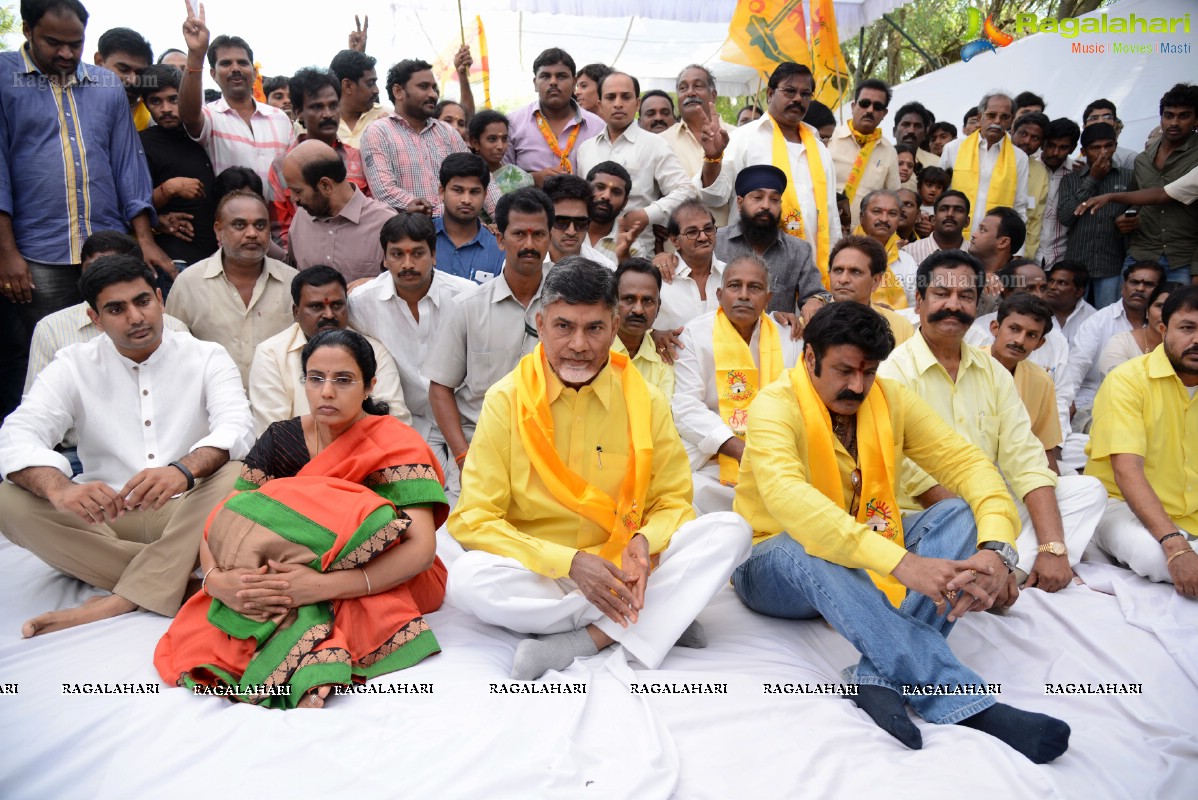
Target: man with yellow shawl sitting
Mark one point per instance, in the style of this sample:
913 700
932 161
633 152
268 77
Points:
727 357
818 483
576 499
986 165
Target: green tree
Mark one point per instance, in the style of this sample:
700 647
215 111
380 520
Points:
938 27
10 27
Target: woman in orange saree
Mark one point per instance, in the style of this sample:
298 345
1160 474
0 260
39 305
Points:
318 571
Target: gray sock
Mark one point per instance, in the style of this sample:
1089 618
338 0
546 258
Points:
535 657
694 636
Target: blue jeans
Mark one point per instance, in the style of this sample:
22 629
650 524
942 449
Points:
898 646
1105 291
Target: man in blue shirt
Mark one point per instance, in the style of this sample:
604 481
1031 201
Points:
464 245
70 163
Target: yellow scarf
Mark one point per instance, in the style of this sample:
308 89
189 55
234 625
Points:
622 517
738 379
792 215
889 292
878 507
1001 191
867 142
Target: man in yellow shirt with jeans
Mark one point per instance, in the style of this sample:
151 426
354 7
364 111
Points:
576 499
818 483
1142 448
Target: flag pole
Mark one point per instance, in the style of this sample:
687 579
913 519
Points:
461 24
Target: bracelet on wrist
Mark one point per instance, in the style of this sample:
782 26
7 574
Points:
1178 554
1169 536
191 478
204 583
715 160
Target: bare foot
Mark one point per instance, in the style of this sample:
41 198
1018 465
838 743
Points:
95 609
315 698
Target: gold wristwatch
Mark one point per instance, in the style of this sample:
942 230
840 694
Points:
1056 548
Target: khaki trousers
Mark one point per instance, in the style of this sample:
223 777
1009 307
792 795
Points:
145 557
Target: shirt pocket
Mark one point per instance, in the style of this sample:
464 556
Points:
484 368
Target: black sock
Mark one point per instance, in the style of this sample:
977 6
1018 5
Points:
888 710
1038 736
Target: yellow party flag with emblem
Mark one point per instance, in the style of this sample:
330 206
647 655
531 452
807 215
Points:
833 82
765 33
480 69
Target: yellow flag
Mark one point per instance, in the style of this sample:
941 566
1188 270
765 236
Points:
480 69
764 33
832 80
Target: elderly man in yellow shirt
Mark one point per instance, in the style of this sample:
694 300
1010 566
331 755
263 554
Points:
1142 448
819 485
977 397
577 485
856 268
638 293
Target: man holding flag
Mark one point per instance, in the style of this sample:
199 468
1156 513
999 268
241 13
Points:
782 139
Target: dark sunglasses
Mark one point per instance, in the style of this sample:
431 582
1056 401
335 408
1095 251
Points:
865 103
564 223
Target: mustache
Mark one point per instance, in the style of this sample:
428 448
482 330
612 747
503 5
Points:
948 313
1018 348
849 394
636 318
326 323
528 254
796 107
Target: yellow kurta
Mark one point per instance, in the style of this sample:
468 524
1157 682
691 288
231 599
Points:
1039 396
506 509
776 496
649 364
1143 409
899 326
1037 196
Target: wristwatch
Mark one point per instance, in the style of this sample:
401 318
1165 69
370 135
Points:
1007 553
1056 548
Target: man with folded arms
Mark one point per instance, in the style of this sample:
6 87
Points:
159 415
819 486
577 484
1141 448
976 396
727 357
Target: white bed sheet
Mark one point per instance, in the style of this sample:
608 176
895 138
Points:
463 741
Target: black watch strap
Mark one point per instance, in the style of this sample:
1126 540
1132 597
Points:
191 479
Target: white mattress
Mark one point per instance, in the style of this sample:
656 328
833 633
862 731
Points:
463 741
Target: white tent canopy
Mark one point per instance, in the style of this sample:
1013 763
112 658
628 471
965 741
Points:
1045 63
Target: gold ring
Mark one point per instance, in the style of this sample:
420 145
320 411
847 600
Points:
8 286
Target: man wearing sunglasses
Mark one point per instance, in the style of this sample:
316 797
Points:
571 218
864 159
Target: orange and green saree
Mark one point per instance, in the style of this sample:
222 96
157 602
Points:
339 510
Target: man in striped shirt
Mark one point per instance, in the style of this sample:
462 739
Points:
236 130
403 152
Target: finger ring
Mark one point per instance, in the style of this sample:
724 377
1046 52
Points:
937 603
975 572
8 286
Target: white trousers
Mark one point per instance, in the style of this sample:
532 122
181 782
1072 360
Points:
699 560
1081 499
1073 453
1122 536
711 496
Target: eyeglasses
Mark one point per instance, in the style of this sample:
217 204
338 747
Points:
341 383
790 93
865 104
580 223
694 233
